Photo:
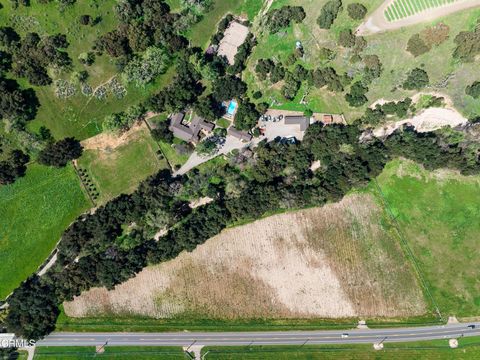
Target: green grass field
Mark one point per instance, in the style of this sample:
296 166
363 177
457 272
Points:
120 170
469 348
34 211
400 9
118 352
438 215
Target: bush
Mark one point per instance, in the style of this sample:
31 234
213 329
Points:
473 90
356 11
416 80
329 13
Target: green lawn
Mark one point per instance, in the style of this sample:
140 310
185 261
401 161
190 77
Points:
121 169
469 348
438 214
34 211
110 352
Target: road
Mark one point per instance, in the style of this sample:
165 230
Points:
355 336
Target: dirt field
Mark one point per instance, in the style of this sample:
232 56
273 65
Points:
337 261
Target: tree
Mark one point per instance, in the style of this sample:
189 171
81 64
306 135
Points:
13 167
33 310
60 153
16 104
329 13
346 38
228 88
161 132
209 108
247 115
356 11
468 45
416 80
373 67
357 97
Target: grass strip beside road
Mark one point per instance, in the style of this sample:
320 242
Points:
469 348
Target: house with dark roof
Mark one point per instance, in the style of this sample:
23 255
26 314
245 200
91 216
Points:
241 135
189 131
303 121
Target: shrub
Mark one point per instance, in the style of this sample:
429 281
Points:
473 90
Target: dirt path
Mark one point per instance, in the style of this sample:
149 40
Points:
429 120
377 22
108 140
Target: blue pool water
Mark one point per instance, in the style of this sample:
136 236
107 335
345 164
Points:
231 108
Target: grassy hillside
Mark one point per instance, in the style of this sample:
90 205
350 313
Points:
34 211
438 215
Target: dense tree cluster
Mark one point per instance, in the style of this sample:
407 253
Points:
416 79
13 167
16 104
143 69
329 13
182 92
242 55
278 19
144 23
31 56
59 153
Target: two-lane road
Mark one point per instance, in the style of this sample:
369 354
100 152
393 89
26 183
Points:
353 336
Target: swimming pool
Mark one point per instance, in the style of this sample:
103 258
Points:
232 107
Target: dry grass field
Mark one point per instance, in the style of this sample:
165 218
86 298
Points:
341 260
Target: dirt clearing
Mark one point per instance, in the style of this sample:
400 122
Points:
337 261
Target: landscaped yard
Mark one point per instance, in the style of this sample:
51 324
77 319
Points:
120 169
34 211
438 214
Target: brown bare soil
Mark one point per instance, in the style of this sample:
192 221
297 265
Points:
340 260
